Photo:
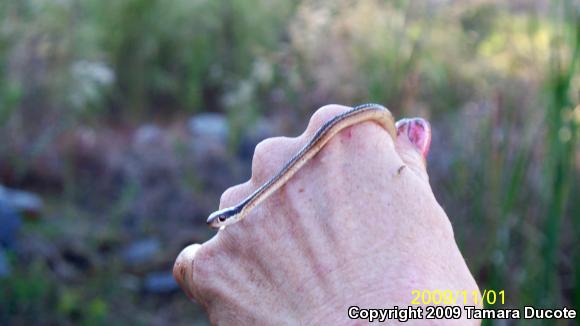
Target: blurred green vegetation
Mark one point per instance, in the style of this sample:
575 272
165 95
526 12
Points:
500 82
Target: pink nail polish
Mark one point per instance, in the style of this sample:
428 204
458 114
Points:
401 126
419 132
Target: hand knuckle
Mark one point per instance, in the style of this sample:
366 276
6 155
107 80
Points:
323 114
263 148
266 157
229 197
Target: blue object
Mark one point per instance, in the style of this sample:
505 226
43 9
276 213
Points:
4 265
10 223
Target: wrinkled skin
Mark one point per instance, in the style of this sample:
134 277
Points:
357 225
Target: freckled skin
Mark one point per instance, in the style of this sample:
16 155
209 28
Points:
347 229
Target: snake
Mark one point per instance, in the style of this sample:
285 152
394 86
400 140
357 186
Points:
361 113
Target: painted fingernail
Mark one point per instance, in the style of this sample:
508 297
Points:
418 131
401 126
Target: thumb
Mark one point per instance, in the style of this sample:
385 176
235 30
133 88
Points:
412 144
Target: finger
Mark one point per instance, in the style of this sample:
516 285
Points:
271 154
183 269
322 115
326 113
413 142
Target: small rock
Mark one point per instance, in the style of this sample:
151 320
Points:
130 282
26 203
148 134
77 258
142 251
10 223
159 283
209 125
4 265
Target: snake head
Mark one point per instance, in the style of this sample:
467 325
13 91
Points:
223 217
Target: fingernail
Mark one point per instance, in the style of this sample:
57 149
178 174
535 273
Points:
418 131
401 126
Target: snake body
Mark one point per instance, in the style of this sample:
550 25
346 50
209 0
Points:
358 114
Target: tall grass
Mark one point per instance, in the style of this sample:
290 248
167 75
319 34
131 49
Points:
547 274
561 141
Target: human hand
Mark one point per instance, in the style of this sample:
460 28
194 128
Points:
358 225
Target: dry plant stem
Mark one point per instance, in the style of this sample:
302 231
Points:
358 225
